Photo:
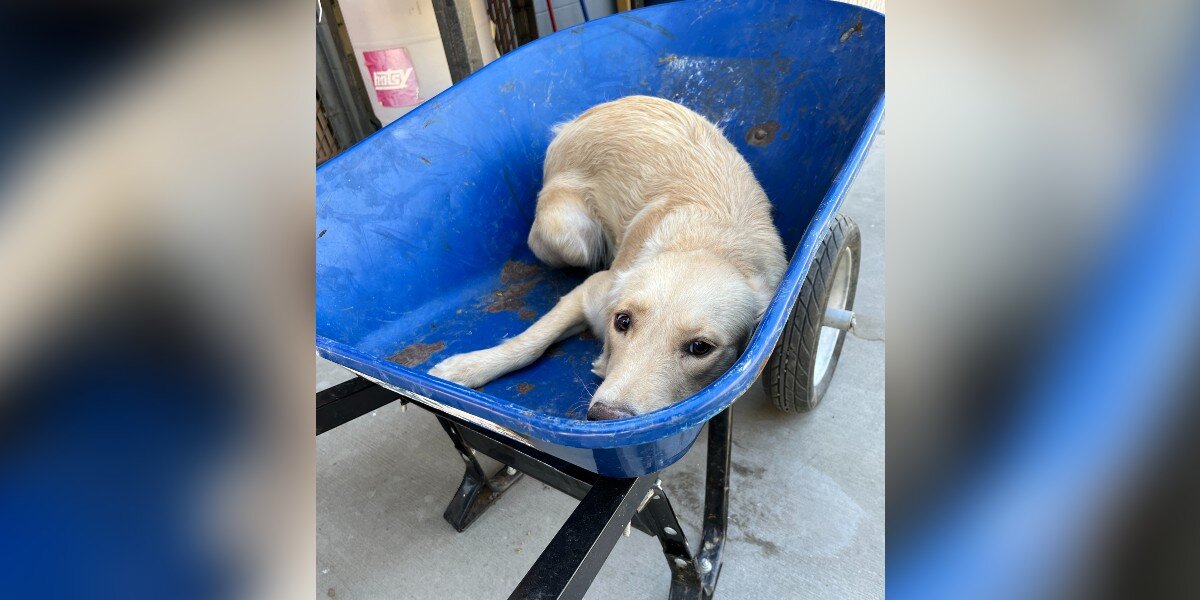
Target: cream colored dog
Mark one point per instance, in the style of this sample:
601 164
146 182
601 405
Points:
655 192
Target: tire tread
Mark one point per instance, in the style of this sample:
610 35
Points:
788 375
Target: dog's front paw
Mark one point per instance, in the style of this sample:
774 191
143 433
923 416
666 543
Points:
472 369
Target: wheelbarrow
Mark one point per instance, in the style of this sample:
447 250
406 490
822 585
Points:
421 254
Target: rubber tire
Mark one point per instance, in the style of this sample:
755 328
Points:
788 376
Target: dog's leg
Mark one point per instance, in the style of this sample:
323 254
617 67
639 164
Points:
567 318
564 232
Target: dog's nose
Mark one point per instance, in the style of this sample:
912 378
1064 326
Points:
600 411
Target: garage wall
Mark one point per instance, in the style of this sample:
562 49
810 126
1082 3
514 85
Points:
411 24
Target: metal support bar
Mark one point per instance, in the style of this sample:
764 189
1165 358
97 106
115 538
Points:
350 400
661 519
568 565
694 577
561 475
552 471
459 38
477 491
608 506
716 499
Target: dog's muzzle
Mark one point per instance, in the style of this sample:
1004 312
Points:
605 412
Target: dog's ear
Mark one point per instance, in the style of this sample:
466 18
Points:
763 294
600 365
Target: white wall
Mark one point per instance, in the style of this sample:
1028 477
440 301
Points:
568 13
411 24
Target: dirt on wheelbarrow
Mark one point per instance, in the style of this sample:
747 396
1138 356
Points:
515 270
416 354
519 278
511 297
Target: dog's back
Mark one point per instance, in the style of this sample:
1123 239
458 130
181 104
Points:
643 173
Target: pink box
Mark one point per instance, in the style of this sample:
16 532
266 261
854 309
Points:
393 77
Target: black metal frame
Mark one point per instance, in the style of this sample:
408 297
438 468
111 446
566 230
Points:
607 506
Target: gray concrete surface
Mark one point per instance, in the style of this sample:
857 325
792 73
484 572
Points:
806 498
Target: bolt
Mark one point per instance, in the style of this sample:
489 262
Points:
510 471
646 500
760 134
705 565
669 531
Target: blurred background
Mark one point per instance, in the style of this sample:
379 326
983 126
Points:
156 322
1042 299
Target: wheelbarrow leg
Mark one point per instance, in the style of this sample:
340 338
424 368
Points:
716 499
477 491
567 566
694 577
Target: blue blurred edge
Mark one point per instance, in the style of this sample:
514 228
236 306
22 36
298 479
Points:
1107 392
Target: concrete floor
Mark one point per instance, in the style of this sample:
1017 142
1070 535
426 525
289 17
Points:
806 498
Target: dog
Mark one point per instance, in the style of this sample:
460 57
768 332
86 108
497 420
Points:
653 195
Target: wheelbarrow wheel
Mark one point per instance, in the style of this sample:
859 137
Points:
800 368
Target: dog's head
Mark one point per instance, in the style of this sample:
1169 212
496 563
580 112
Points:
675 323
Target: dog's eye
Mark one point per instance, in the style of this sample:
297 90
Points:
621 322
699 348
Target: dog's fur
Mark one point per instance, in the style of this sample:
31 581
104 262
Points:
657 194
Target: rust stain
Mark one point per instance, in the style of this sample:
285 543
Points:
519 278
514 270
512 297
856 29
523 388
762 135
417 353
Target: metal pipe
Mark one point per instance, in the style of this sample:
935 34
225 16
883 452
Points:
838 318
550 11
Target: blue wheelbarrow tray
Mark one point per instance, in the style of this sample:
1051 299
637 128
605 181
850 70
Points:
421 228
